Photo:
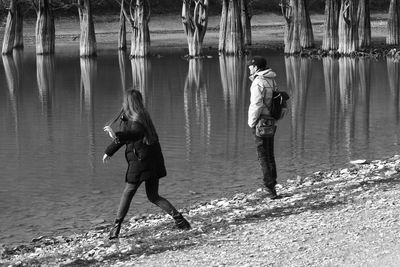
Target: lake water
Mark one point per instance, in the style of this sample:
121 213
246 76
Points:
53 109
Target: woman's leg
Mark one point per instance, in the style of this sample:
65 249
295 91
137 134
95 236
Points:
154 197
126 198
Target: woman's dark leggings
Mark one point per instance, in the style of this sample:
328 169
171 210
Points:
152 195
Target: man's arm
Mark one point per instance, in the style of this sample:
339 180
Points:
256 104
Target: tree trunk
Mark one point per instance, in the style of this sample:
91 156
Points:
139 19
9 31
306 32
87 43
223 25
122 29
45 31
289 10
246 20
348 27
19 27
233 35
194 20
393 37
364 24
331 38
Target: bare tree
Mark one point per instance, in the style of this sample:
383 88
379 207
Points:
13 30
45 31
393 37
306 32
298 32
122 29
9 31
87 43
138 18
364 24
231 39
292 32
246 14
331 38
194 20
348 27
19 37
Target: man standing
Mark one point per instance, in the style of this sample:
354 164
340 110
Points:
262 86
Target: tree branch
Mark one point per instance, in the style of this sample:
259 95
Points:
35 6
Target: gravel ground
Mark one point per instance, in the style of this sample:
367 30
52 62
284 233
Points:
346 217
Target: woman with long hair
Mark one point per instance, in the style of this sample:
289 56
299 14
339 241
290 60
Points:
144 156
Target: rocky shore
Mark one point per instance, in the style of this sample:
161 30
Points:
344 217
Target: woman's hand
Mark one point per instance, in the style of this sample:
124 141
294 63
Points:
106 158
110 132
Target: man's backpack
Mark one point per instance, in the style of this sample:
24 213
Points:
278 103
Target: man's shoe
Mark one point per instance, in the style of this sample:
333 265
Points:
272 193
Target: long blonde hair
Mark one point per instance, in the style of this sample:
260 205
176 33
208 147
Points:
133 110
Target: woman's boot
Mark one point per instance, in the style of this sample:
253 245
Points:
114 232
181 222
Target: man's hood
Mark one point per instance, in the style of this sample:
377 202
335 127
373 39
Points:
268 73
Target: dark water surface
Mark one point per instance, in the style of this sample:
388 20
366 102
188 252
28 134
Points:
53 109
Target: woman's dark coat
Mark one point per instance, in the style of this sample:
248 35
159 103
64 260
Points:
144 161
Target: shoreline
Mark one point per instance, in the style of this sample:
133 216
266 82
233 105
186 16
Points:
166 33
332 207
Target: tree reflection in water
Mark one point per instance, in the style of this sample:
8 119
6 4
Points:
347 83
393 69
234 80
331 76
45 75
141 68
298 75
88 78
123 63
196 105
363 98
13 72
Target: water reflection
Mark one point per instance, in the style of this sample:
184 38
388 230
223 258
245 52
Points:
347 85
234 80
45 77
196 105
45 80
88 78
123 63
298 75
393 69
141 68
363 98
13 72
331 77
